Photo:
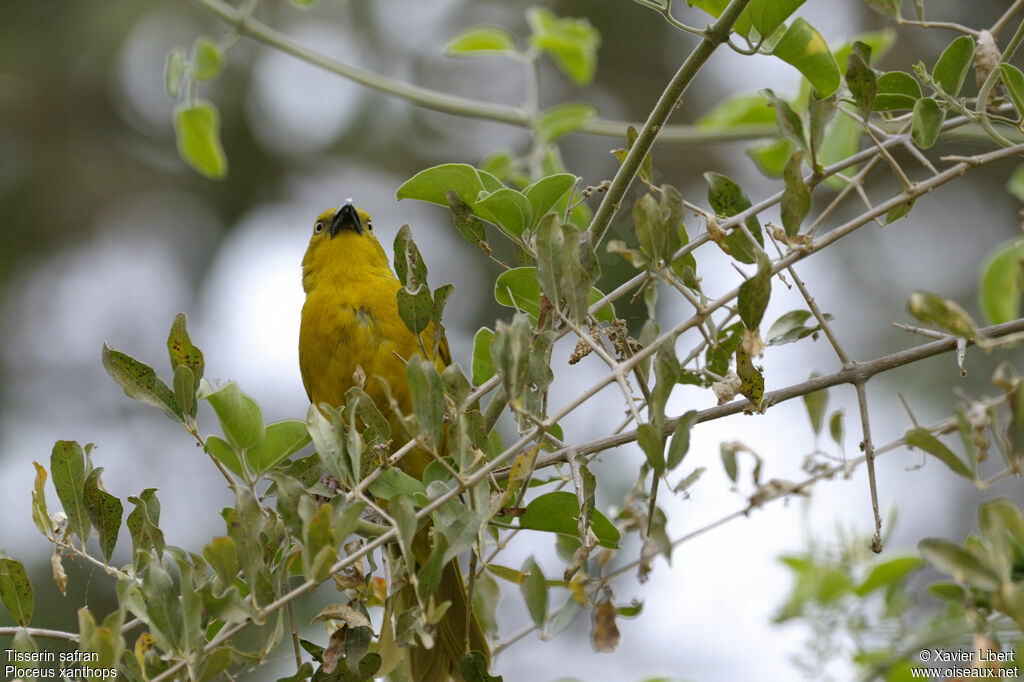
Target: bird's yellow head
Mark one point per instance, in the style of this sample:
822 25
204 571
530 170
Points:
342 244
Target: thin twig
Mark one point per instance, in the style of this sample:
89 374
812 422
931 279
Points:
869 456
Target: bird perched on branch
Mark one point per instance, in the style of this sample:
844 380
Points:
351 326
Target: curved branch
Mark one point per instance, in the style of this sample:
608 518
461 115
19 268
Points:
455 104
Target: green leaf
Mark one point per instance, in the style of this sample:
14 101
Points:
927 122
427 399
185 390
1000 285
222 451
318 536
143 523
571 43
835 427
519 288
483 368
727 199
790 327
741 110
474 668
896 90
430 572
921 437
535 592
816 403
796 198
768 15
860 78
650 442
346 519
393 482
415 308
468 225
948 592
1013 79
181 350
434 183
510 353
502 164
409 264
754 293
680 443
404 516
959 563
174 71
105 512
207 60
887 574
140 382
508 209
1015 185
328 442
842 140
728 456
40 515
951 68
546 192
788 121
803 47
357 399
67 465
771 157
197 129
561 119
16 591
480 40
899 211
717 356
942 312
239 415
559 271
283 439
556 512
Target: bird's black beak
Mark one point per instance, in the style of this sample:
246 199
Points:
346 218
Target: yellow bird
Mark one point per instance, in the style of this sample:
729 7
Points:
350 322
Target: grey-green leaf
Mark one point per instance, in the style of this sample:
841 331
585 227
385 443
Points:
927 122
951 68
140 382
922 438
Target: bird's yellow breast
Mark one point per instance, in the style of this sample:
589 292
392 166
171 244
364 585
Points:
350 322
350 325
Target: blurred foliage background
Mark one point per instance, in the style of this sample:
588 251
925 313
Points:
107 234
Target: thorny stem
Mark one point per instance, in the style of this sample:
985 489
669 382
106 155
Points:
869 455
848 375
844 468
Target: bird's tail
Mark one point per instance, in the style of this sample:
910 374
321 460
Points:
443 661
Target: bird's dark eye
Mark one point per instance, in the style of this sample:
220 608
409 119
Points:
319 227
369 226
